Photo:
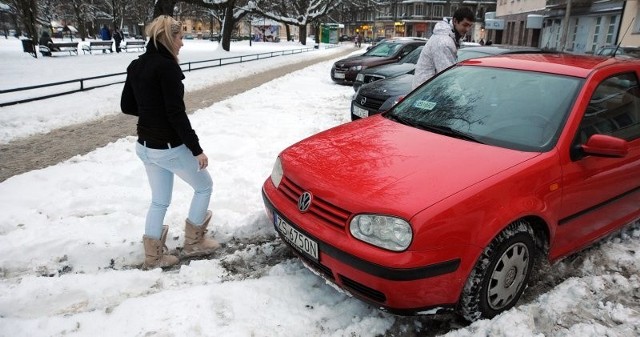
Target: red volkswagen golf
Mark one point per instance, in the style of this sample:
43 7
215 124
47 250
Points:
451 198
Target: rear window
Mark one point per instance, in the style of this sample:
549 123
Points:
384 49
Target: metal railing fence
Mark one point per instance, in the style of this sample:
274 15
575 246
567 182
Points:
88 83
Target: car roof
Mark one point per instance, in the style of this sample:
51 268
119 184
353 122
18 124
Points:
501 49
404 40
562 64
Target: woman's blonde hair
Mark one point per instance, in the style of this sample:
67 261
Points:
163 29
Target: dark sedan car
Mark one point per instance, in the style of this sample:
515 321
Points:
378 96
620 51
406 65
346 70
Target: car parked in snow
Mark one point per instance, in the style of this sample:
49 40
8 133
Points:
345 71
374 98
451 199
406 65
624 51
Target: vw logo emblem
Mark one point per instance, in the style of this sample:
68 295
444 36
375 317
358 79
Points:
363 100
304 202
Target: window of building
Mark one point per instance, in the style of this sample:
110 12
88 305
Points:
596 34
438 11
452 9
574 34
611 30
419 9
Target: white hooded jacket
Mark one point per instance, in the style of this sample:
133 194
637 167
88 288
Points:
439 53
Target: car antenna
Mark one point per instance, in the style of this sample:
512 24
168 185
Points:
623 36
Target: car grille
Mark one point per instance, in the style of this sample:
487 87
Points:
325 211
372 78
363 290
341 68
370 102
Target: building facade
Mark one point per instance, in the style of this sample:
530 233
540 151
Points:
415 18
589 26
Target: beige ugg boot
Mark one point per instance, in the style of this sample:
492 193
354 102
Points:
154 251
195 244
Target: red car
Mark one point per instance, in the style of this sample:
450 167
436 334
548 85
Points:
452 197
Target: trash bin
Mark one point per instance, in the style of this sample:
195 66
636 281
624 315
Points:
29 46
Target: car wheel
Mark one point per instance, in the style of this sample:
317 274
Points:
501 274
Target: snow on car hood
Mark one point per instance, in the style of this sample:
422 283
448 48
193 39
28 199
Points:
377 165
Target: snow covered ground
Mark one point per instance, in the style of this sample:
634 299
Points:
70 234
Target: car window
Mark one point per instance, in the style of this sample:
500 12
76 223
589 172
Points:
521 110
406 50
632 52
606 51
413 56
614 109
384 49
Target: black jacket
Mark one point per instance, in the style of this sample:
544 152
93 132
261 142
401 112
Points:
154 91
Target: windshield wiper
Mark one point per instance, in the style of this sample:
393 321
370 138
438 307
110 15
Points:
445 130
401 120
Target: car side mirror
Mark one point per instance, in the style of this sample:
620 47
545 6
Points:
605 146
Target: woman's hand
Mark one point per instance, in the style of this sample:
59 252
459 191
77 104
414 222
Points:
203 161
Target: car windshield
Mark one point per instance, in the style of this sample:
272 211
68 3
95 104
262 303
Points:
520 110
412 57
384 49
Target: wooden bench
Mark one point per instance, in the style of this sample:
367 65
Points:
133 44
98 45
63 47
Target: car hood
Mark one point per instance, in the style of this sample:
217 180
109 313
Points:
355 60
390 70
394 86
377 165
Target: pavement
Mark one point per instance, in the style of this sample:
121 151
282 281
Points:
43 150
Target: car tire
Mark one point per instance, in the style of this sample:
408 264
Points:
501 273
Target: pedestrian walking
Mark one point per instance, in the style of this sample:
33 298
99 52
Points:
105 35
117 38
167 145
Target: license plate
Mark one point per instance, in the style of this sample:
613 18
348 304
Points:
296 239
360 112
338 75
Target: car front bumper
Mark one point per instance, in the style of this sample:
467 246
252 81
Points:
403 291
343 76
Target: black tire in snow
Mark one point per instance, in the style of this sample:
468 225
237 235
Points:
501 273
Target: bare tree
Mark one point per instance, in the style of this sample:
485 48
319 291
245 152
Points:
233 10
27 12
298 13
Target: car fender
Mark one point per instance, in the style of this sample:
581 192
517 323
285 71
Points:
529 190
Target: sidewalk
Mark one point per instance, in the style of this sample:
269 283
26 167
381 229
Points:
43 150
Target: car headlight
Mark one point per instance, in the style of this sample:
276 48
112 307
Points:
382 231
356 68
277 173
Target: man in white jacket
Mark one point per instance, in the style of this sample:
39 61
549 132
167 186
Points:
441 50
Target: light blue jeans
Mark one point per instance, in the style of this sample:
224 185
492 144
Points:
161 165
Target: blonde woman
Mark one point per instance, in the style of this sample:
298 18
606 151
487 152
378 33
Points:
167 145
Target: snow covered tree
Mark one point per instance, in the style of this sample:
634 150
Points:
298 13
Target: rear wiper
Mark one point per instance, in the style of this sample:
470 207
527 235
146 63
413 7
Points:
445 130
